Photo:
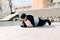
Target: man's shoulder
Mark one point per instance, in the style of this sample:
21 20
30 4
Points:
29 16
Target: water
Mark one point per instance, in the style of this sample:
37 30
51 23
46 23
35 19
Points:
10 23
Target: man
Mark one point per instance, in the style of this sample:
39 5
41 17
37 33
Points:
30 21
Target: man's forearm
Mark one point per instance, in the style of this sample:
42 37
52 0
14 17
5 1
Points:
29 26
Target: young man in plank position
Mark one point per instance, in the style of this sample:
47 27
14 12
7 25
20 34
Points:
31 21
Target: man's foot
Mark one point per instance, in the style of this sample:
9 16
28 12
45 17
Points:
49 23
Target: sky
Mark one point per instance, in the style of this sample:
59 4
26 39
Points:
21 2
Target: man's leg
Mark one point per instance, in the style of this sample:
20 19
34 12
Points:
46 20
41 22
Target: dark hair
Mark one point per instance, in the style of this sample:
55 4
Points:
23 15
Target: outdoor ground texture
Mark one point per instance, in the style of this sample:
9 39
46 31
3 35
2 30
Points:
41 33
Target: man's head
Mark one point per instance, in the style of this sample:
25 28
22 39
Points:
24 17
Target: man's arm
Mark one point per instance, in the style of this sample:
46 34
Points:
31 18
29 26
23 24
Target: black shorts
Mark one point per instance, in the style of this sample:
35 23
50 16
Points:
41 22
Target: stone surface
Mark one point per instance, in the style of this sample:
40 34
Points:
41 33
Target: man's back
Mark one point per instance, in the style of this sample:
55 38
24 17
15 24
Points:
31 19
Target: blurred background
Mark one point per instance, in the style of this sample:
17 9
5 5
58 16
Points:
11 10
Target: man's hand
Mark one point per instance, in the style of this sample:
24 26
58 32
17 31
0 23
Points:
29 26
21 25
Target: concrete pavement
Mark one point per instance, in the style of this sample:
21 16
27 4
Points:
42 33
